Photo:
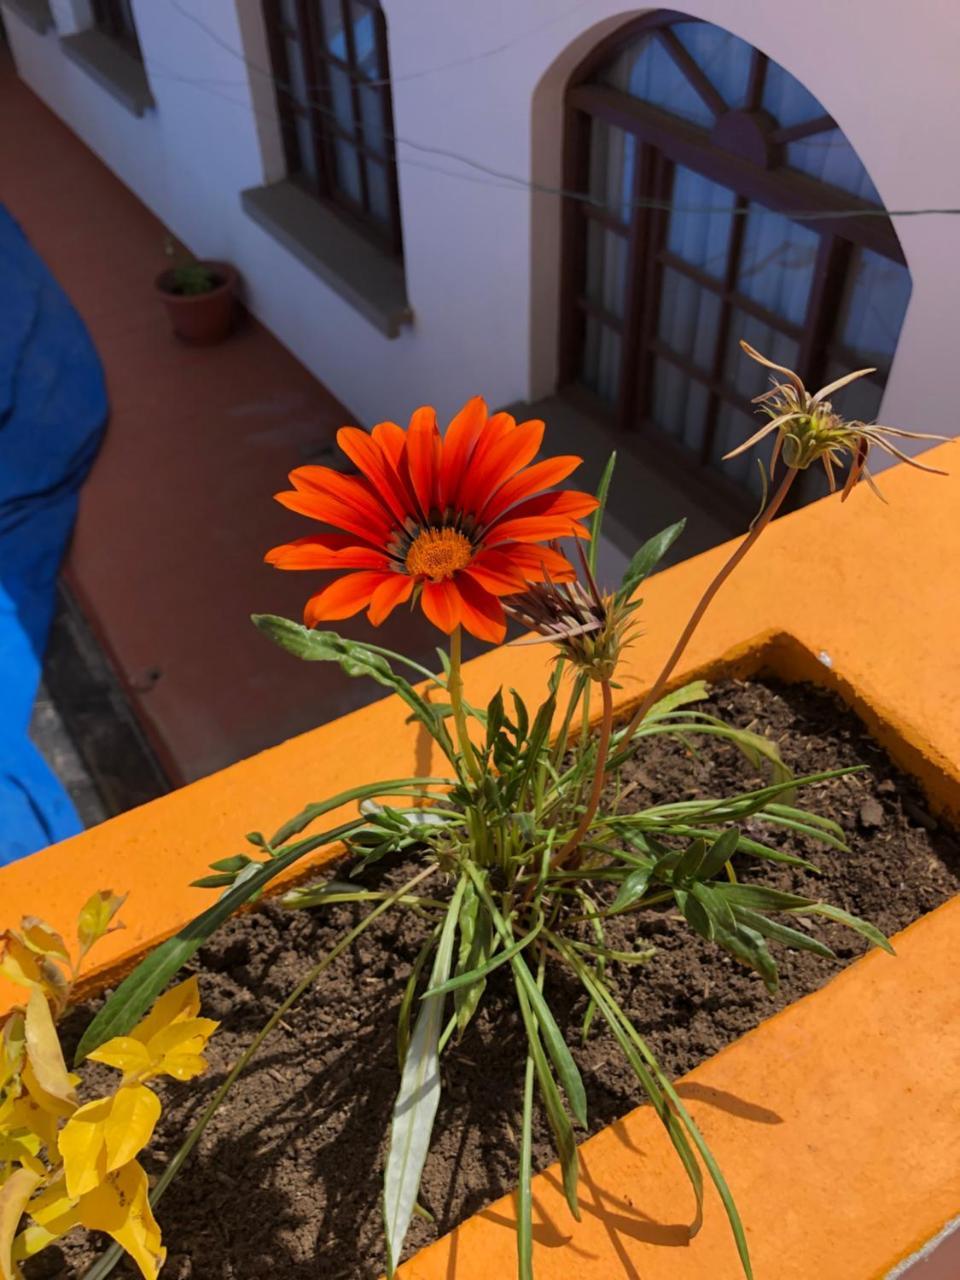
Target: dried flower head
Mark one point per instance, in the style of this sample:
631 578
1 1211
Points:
588 627
808 429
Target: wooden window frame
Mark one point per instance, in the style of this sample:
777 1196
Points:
664 141
324 129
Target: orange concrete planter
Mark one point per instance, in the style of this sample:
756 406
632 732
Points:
836 1122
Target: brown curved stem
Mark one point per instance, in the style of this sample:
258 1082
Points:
657 687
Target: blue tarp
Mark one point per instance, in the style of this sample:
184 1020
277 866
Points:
53 409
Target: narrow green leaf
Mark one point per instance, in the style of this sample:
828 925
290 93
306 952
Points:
525 1189
696 691
417 1100
863 927
691 861
760 897
134 996
556 1046
596 524
633 888
782 933
719 853
647 558
502 957
367 791
410 991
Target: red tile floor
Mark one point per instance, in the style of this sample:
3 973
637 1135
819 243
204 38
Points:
166 560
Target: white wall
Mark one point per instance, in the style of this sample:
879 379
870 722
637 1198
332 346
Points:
486 81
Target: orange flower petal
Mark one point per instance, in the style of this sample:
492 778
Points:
542 475
343 598
330 552
369 456
441 604
458 444
538 529
501 461
494 429
535 562
388 595
423 457
496 573
346 489
329 511
480 612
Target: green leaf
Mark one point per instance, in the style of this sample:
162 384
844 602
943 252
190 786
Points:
719 853
354 659
696 691
525 1189
474 975
782 933
417 1100
215 881
596 524
632 889
367 791
234 864
647 558
760 897
475 941
863 927
410 991
691 861
137 992
556 1046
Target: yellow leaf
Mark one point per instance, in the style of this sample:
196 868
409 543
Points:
95 917
180 1002
176 1050
123 1052
42 939
43 1050
120 1206
12 1049
28 969
25 1114
14 1195
23 1148
104 1135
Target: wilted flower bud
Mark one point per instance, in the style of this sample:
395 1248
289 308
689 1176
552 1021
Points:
590 629
808 429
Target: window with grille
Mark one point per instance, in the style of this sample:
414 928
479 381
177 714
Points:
712 179
333 93
115 19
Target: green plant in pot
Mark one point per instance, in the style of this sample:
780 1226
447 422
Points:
199 296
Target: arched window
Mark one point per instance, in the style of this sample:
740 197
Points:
712 176
332 77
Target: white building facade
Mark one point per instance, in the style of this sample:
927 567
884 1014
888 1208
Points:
478 117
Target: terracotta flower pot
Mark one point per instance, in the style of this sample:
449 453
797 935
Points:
201 318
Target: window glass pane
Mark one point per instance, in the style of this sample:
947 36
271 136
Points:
606 268
613 155
860 399
786 99
307 156
364 39
372 117
378 191
334 34
733 427
679 405
744 374
874 303
348 169
341 98
829 157
645 70
724 57
700 222
689 316
601 360
776 263
296 80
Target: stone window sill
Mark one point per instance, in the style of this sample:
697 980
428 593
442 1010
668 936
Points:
118 71
35 13
366 277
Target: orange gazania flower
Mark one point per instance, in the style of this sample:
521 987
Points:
455 520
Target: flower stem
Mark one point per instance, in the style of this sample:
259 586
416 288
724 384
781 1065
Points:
106 1263
455 689
603 749
763 520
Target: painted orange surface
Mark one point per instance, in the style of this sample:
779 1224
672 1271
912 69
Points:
837 1121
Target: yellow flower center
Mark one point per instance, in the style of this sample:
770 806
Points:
438 553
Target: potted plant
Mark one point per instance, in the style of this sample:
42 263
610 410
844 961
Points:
515 860
199 296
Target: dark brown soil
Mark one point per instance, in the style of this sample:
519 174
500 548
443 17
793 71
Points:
287 1179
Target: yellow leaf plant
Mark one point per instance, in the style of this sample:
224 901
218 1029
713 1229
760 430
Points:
66 1163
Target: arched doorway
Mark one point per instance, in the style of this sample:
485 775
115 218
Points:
713 182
